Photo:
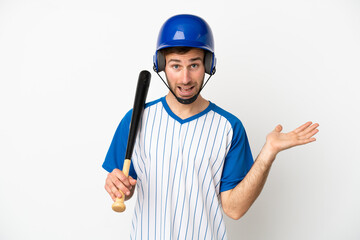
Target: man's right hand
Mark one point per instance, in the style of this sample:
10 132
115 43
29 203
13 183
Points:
115 181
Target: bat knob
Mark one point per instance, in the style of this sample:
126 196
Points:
119 205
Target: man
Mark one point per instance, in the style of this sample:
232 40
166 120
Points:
191 158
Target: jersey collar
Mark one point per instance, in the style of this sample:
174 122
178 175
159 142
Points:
182 121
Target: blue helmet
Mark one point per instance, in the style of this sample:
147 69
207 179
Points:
186 31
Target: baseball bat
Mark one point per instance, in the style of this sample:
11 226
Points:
139 104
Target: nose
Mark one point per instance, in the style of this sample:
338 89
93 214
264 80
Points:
186 78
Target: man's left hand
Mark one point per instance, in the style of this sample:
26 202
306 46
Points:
276 141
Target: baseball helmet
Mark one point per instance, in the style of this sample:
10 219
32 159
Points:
186 31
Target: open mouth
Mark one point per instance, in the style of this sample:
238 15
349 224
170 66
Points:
186 91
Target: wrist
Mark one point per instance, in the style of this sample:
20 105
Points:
268 153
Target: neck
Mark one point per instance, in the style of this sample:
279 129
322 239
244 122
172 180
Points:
184 111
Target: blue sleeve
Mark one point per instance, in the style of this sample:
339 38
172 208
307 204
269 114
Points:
116 154
239 159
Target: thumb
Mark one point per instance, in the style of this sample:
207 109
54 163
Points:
278 128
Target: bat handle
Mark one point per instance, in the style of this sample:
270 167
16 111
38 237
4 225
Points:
119 205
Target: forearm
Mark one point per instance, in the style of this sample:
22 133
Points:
238 200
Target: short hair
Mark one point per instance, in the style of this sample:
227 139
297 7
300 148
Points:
178 50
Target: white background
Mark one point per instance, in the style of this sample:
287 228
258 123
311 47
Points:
68 72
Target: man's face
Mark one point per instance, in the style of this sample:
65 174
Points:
185 72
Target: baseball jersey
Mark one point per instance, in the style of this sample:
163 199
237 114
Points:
181 166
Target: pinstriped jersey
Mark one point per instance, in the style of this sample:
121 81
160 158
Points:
181 166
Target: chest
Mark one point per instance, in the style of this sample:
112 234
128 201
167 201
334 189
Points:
165 146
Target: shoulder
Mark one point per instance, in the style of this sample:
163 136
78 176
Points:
148 105
231 118
152 103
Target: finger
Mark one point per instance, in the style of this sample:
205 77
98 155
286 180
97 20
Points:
310 134
111 188
308 129
117 192
307 140
302 127
132 181
278 128
110 193
118 184
120 175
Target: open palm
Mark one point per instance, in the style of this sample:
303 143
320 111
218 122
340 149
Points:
279 141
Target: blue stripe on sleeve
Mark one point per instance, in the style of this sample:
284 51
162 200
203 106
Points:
116 154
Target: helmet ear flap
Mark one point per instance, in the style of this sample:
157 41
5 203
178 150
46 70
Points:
159 62
209 62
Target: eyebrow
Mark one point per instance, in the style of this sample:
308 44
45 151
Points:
191 60
195 59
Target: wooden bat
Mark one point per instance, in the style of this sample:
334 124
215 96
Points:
139 104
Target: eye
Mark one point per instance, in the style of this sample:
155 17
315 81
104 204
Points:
175 66
194 65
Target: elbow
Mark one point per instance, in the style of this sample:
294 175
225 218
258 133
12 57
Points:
234 208
234 217
235 214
